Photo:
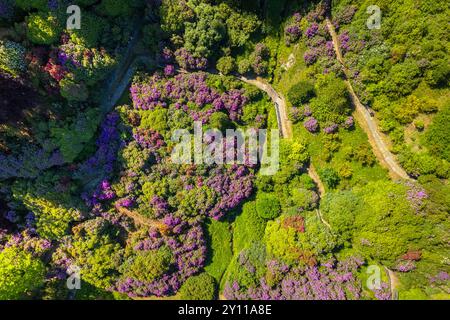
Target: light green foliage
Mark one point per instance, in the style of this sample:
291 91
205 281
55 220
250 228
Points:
20 273
43 28
147 266
219 244
331 103
303 199
240 25
339 210
72 90
268 206
294 154
173 15
134 157
201 287
220 121
95 64
301 93
155 119
248 266
196 201
387 226
406 112
12 57
438 134
72 138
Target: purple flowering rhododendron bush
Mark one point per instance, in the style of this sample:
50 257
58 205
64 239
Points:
110 109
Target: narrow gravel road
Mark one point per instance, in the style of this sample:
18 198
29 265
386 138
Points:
280 105
365 119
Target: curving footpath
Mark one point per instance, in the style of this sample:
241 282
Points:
365 119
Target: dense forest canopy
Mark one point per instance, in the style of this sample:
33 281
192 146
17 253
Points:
87 124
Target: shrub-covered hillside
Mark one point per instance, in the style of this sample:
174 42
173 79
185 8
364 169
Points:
91 118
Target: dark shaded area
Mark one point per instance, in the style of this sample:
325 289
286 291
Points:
16 98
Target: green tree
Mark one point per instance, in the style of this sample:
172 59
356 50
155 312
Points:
226 65
203 36
438 134
43 28
12 57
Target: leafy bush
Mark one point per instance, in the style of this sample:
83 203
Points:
268 206
113 8
201 287
20 273
203 36
95 248
301 93
44 28
73 137
330 177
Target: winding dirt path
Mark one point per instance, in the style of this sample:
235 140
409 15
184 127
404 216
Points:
280 105
365 120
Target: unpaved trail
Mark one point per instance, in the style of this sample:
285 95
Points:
365 120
